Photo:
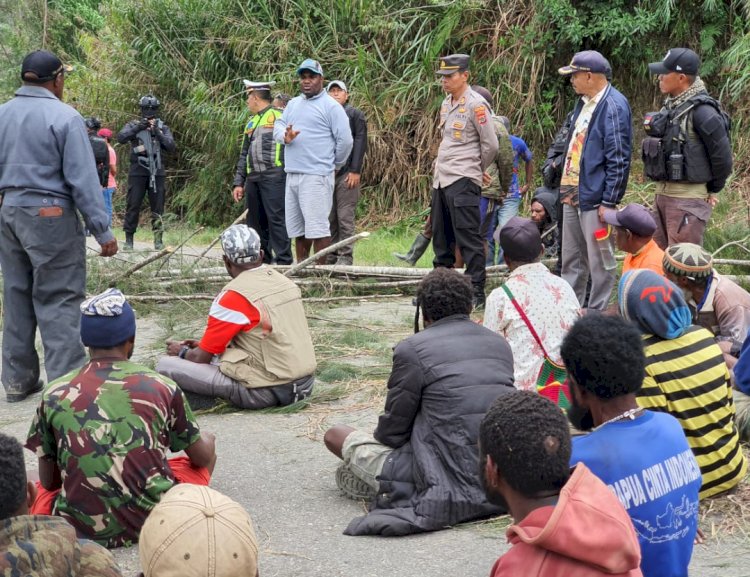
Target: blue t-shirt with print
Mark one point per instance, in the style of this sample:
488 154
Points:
648 464
520 152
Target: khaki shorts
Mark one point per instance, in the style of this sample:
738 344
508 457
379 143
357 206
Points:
365 457
742 413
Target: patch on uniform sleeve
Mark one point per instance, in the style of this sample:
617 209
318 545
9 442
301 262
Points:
480 112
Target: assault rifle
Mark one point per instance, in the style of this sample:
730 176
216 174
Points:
152 160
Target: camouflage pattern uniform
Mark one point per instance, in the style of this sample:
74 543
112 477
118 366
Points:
109 427
45 546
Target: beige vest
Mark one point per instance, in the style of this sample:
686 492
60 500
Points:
279 350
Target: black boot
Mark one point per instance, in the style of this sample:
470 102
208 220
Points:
478 299
158 243
417 249
128 241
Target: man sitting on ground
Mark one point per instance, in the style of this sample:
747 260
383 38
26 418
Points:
258 330
534 308
686 376
718 303
102 433
634 234
545 205
40 545
642 455
416 465
198 532
565 523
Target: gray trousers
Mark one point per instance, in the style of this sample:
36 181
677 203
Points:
581 257
43 260
342 217
208 380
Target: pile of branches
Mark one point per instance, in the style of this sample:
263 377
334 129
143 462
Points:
198 276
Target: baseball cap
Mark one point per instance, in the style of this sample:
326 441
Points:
310 65
687 259
93 123
241 244
105 133
43 65
484 93
682 60
453 63
587 61
634 217
195 531
339 83
250 85
520 240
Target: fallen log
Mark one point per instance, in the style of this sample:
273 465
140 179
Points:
327 250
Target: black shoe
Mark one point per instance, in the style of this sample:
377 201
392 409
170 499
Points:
199 402
18 396
478 300
128 241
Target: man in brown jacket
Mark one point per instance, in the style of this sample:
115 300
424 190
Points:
256 351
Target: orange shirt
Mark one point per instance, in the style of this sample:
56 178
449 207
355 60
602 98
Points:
650 257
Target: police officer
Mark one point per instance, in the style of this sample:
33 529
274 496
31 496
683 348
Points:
260 176
687 150
47 171
468 147
147 136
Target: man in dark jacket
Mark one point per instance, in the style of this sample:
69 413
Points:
594 174
347 186
686 150
545 205
419 466
147 136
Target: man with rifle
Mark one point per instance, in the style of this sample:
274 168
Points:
147 136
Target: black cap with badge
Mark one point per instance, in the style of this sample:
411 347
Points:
453 63
682 60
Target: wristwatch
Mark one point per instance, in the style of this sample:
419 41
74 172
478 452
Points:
183 351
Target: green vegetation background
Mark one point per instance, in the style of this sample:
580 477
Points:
193 54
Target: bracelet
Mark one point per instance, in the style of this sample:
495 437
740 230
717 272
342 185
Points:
183 351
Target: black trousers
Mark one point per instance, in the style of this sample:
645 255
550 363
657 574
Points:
455 222
264 199
137 187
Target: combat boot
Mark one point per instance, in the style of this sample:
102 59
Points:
158 243
478 300
128 241
418 247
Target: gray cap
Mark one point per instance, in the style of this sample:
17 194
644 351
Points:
241 244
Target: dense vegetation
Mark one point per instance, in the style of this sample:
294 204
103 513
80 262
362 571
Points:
193 54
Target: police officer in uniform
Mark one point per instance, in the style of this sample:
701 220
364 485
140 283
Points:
687 150
148 137
260 176
468 147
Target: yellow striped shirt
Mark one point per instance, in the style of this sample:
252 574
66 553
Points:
688 378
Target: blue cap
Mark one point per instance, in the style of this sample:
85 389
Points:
310 65
587 61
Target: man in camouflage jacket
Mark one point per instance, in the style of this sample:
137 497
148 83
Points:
39 544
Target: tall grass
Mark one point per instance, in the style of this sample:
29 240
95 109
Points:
193 54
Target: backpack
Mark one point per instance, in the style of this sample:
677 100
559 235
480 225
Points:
101 156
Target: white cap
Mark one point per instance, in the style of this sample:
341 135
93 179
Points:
258 85
339 83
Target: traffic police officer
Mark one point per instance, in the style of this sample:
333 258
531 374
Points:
260 176
468 147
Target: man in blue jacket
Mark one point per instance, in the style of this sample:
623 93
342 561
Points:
594 173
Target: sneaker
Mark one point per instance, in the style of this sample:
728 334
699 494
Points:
18 396
352 486
478 301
